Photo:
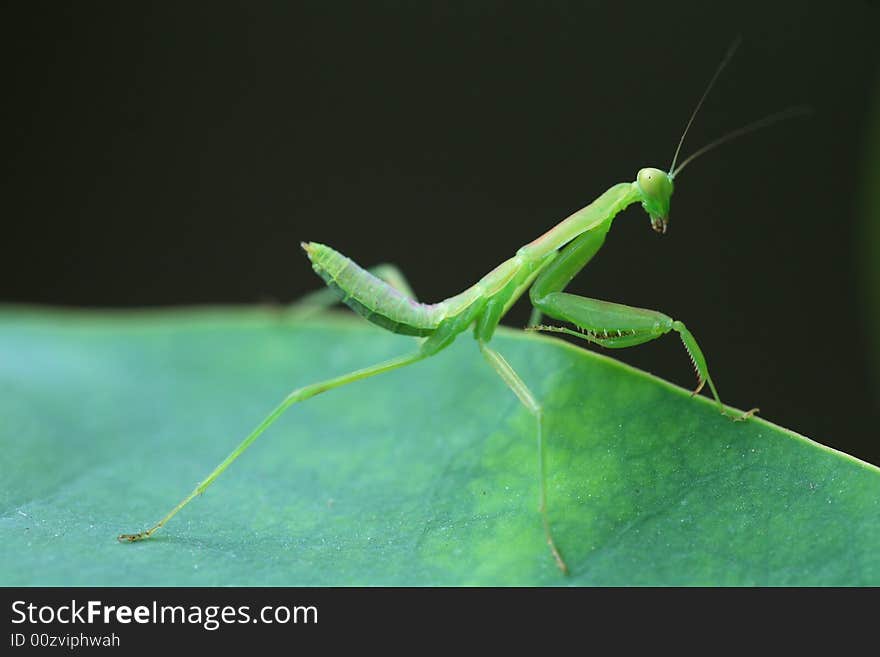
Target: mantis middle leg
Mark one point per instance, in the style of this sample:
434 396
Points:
525 396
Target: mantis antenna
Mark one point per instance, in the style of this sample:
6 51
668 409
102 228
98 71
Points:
789 113
727 58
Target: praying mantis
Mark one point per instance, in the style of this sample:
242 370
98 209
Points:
543 267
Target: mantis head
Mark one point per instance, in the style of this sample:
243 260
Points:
655 187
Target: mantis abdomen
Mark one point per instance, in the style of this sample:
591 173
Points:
370 296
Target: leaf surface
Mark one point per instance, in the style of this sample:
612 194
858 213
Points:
422 476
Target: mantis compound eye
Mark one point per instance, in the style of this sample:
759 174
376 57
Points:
654 183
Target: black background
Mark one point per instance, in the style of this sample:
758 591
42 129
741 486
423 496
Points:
178 154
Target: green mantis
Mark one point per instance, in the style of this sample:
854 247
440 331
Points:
543 267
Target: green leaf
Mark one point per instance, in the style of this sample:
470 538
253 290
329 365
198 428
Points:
422 476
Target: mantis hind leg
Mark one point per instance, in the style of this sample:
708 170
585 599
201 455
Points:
298 395
618 326
319 300
525 396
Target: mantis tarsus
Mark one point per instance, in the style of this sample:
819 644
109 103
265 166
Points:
543 267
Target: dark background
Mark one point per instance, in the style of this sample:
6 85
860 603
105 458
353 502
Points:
177 154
